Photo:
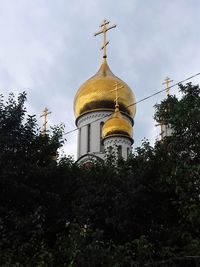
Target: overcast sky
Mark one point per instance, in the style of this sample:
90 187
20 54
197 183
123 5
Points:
47 48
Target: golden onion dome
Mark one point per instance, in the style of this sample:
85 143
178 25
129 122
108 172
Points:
95 93
117 126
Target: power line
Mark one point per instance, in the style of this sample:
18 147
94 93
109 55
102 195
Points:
158 92
75 129
139 101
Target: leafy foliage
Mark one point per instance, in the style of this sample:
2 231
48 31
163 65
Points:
141 212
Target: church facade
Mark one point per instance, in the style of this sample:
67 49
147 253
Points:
104 109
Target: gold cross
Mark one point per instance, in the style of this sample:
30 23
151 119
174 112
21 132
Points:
45 113
117 95
166 82
104 30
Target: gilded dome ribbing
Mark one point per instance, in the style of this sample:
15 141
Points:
95 93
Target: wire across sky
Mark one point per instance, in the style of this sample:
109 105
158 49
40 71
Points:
141 100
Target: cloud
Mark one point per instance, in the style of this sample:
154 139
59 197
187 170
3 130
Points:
48 49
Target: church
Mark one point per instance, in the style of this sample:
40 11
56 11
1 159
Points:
104 108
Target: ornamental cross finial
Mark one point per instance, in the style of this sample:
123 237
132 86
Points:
45 113
116 94
167 82
104 30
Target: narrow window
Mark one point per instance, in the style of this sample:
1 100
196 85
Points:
110 150
128 151
79 142
88 138
101 141
119 151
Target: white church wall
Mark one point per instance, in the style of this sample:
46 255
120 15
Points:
94 119
83 141
115 141
95 136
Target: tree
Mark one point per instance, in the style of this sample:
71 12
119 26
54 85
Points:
26 171
141 212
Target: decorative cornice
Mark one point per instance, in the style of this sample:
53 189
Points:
120 136
92 115
103 110
113 141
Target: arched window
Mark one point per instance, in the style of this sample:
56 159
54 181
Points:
88 138
101 143
119 151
